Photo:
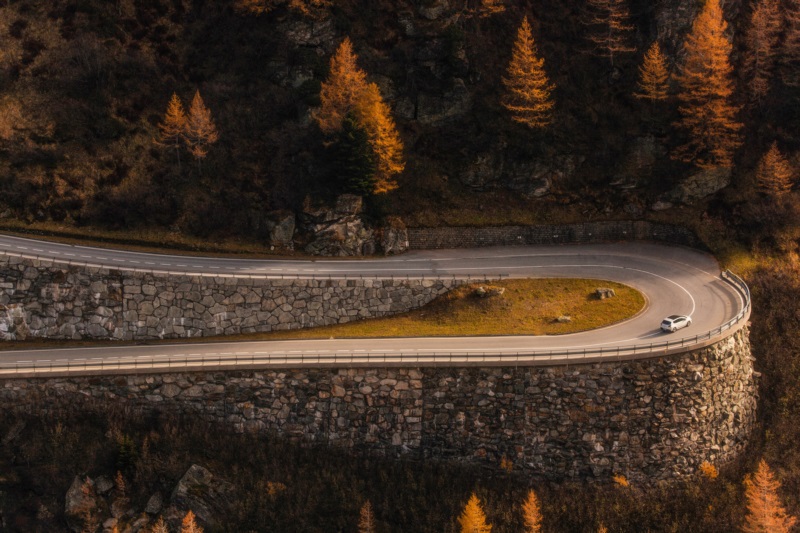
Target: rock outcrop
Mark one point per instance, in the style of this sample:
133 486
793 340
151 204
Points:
699 185
281 226
394 237
200 491
532 179
83 509
338 230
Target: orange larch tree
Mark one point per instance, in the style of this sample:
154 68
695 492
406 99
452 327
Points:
610 29
532 513
473 519
790 50
709 115
653 75
765 513
189 524
160 526
761 39
528 93
374 115
172 130
346 91
260 7
366 521
491 7
341 90
201 132
774 173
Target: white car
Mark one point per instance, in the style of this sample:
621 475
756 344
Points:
675 322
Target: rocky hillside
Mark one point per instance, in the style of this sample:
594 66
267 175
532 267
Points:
83 86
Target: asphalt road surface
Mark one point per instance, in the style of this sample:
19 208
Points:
674 280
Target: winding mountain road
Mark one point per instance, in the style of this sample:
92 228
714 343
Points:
674 280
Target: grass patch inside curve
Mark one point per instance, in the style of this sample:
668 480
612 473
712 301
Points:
527 307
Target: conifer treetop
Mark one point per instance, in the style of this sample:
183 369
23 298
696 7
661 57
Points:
528 90
706 88
774 174
473 519
653 75
765 513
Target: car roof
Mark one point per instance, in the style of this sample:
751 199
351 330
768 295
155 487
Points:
673 317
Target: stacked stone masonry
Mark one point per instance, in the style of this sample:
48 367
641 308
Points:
648 419
588 232
40 299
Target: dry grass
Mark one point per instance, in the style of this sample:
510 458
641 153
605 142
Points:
139 240
528 307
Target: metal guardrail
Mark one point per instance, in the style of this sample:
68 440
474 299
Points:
444 358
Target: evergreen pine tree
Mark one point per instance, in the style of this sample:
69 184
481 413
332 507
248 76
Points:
353 158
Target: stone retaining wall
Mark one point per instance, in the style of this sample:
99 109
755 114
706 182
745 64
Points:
649 419
38 299
588 232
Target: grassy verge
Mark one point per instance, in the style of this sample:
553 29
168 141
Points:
526 307
141 240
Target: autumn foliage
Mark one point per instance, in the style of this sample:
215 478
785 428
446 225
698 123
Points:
532 513
709 115
765 513
491 7
708 470
762 39
653 75
340 92
196 131
261 7
366 521
610 27
373 113
201 132
774 173
790 47
160 526
528 94
473 519
173 128
189 524
346 91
